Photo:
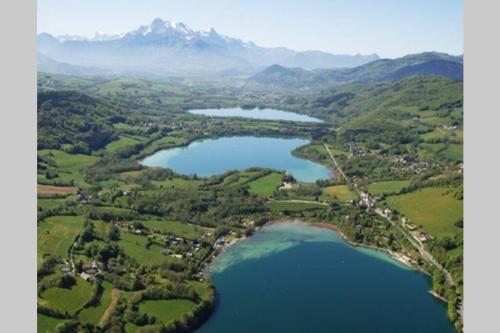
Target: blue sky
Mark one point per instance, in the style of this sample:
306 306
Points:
390 28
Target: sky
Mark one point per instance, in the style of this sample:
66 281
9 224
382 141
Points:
390 28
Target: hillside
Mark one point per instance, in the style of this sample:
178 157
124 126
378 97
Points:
427 63
79 122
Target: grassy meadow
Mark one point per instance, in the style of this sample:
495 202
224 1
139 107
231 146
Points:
435 208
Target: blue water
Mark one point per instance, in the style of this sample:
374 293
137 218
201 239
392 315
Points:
266 114
216 156
299 278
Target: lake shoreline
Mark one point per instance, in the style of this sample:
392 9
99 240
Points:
399 257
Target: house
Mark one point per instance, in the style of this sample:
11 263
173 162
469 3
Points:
423 236
65 270
411 226
86 276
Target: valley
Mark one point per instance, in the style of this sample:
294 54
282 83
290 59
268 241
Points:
138 196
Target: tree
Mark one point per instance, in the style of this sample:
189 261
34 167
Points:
114 233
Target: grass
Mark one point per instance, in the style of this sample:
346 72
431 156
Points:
69 166
70 300
174 227
454 152
278 206
265 186
93 314
135 247
177 183
433 208
46 324
203 289
72 162
56 234
392 186
130 328
340 191
122 142
49 203
165 142
167 310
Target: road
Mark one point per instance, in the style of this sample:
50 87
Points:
421 249
339 170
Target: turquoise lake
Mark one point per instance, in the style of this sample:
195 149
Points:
264 114
294 277
216 156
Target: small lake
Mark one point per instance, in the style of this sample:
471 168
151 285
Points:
216 156
264 114
294 277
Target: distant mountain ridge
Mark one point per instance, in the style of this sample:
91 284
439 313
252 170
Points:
167 48
427 63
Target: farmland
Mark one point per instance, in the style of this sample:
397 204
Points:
342 192
436 209
167 310
387 187
71 299
265 186
56 234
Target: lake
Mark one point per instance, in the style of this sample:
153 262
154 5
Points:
293 277
265 114
216 156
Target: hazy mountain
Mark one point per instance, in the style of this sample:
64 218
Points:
427 63
167 48
46 64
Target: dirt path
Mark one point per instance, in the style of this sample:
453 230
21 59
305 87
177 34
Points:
115 294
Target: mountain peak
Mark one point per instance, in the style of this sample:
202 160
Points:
160 26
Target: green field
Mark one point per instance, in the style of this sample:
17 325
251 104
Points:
342 192
432 207
278 206
69 300
203 289
393 186
167 310
454 152
46 324
135 247
177 183
122 142
265 186
94 313
69 166
174 227
56 234
49 203
165 142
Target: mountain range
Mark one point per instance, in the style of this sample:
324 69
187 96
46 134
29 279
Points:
427 63
166 48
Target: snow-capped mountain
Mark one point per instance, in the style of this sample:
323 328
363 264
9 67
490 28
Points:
169 48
